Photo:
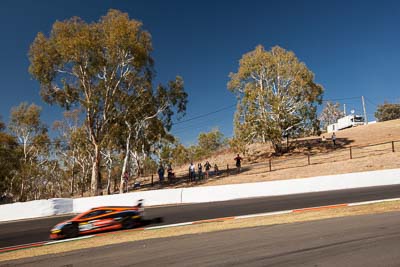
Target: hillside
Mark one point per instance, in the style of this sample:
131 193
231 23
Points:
324 159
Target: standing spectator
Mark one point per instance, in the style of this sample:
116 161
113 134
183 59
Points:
160 172
191 171
216 170
200 170
207 167
170 174
334 140
238 163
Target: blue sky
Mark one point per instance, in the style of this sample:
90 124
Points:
351 46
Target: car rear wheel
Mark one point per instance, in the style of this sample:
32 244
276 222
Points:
71 231
130 223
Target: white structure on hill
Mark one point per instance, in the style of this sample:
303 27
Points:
346 122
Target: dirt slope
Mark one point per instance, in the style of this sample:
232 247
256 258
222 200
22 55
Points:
324 159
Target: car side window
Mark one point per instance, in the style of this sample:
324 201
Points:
94 213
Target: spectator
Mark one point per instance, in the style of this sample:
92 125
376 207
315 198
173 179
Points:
207 167
216 170
238 163
160 172
334 140
191 171
170 174
200 170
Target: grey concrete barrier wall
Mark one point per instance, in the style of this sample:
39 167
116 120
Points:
293 186
35 209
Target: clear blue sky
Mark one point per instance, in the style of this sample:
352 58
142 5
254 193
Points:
353 47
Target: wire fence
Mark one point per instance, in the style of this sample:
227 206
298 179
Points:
336 155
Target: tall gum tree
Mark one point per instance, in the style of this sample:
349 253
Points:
276 96
89 65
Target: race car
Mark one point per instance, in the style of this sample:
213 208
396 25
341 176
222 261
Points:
99 219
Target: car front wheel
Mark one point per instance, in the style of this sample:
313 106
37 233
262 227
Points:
71 231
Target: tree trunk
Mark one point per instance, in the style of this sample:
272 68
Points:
21 195
109 179
125 164
72 181
96 180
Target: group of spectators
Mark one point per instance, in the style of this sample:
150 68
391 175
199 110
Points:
161 173
193 175
196 174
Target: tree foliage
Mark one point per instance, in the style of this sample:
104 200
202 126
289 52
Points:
388 111
330 114
32 179
276 96
106 69
10 155
211 141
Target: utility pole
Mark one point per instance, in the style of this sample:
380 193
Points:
365 112
344 109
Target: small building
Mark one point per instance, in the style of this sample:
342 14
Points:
332 128
346 122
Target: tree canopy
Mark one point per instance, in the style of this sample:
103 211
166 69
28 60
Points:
277 96
330 114
106 69
388 111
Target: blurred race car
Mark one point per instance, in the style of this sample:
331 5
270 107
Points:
99 219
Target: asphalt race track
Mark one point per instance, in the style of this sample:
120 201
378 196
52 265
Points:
367 240
29 231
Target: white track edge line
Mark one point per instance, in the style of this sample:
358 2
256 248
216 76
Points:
373 201
263 214
70 239
168 225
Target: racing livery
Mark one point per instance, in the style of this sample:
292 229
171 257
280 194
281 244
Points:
99 219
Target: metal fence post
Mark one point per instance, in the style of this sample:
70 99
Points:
392 146
152 181
308 157
351 153
270 165
227 169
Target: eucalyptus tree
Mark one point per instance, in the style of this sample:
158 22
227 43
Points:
388 111
276 96
330 114
147 116
10 154
66 148
26 126
93 65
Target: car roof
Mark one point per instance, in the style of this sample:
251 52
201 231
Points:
114 207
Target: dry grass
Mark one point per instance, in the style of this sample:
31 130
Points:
129 236
324 159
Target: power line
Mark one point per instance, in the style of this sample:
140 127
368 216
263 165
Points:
340 99
204 115
371 101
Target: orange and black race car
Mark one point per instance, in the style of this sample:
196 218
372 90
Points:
99 219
